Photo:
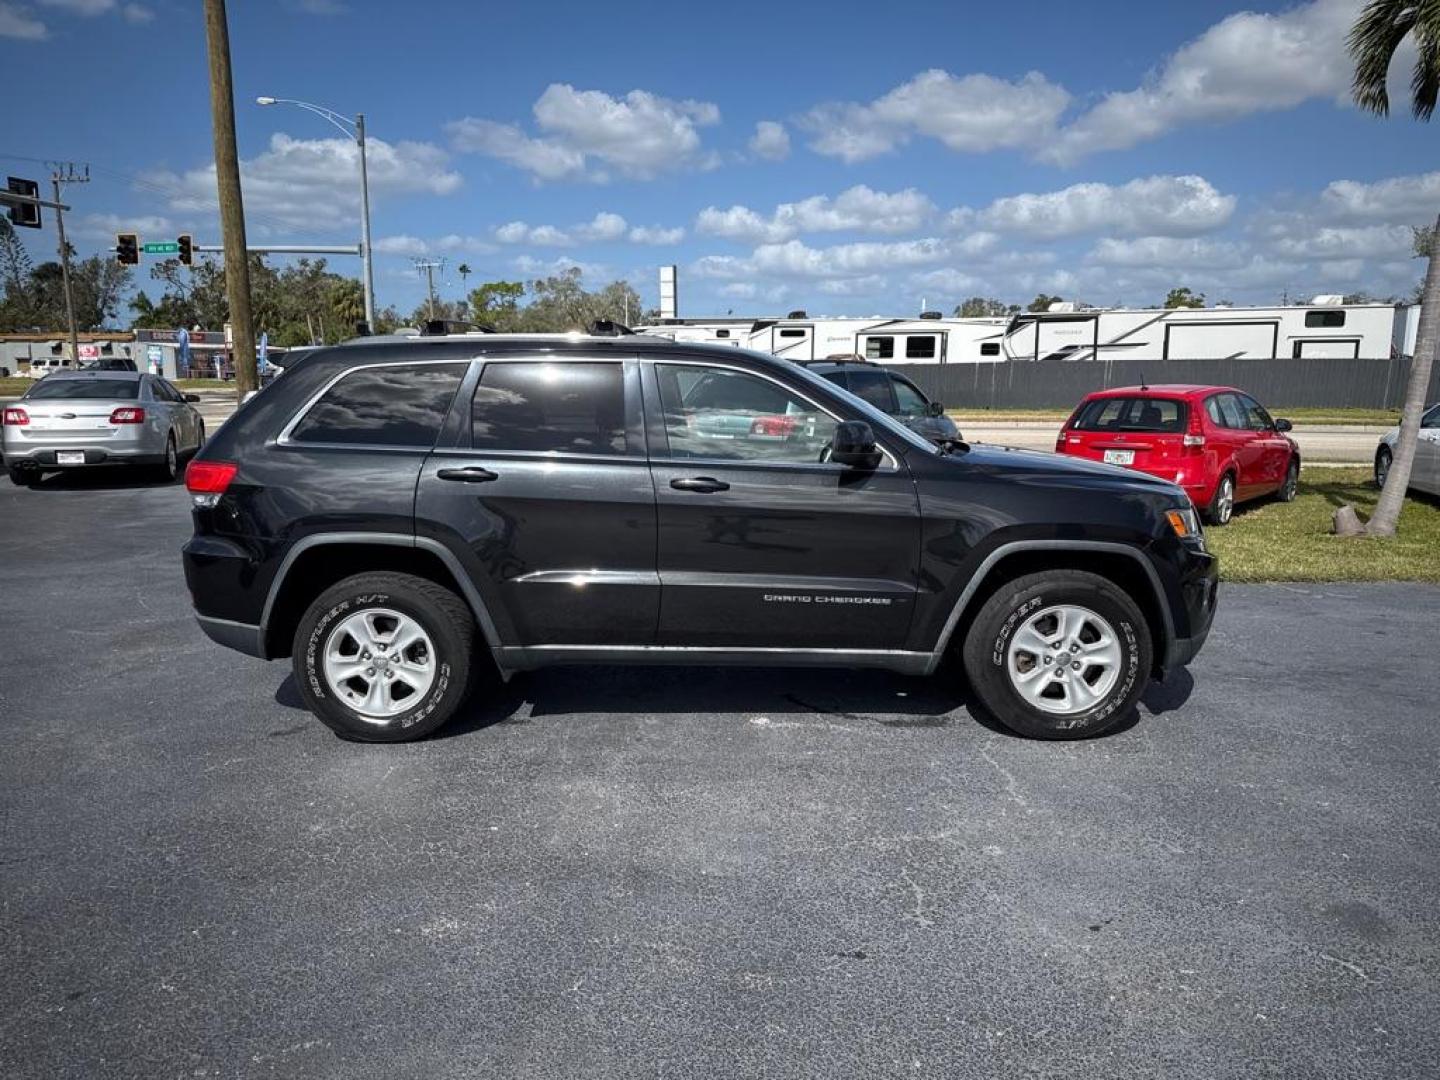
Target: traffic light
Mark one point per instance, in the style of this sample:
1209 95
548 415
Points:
187 249
127 248
22 214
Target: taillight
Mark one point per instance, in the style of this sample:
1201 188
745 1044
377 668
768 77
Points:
1195 433
207 480
774 425
16 418
128 414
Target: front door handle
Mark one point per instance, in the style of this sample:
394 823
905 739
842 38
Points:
700 483
471 474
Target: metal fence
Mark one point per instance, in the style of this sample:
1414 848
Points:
1279 384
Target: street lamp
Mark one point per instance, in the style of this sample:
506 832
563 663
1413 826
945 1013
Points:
354 130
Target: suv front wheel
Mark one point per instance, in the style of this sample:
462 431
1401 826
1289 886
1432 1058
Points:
384 657
1059 655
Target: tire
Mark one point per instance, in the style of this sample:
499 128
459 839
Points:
169 469
1383 461
435 672
1292 483
24 477
1222 503
1024 610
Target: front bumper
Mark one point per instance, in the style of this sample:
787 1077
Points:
1199 593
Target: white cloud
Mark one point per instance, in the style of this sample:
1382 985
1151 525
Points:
586 133
137 13
973 113
858 209
945 280
312 183
795 259
1155 205
604 226
414 246
17 22
105 226
739 290
528 264
1407 199
771 141
868 285
1364 242
401 245
1245 63
1169 252
81 7
719 266
655 234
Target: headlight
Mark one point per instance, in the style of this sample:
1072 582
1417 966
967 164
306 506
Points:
1185 522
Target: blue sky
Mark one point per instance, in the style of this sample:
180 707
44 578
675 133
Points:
842 158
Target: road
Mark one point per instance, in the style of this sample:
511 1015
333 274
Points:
693 873
1343 444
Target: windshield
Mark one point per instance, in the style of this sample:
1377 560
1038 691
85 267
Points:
85 389
1131 414
877 419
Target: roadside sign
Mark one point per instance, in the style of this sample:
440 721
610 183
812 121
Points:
168 247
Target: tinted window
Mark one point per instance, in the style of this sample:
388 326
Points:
989 348
909 401
921 347
720 413
164 391
549 407
722 333
792 333
1431 419
874 387
1231 415
1132 414
879 348
1324 318
82 389
402 405
1256 418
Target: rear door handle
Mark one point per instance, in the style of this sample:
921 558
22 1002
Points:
471 474
700 483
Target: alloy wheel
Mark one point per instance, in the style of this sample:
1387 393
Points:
1064 659
379 662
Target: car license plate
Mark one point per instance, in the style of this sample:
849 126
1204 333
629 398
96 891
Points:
70 457
1119 457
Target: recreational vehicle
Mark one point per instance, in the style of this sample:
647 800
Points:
1323 329
929 339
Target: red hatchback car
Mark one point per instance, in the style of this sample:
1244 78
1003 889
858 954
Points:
1217 443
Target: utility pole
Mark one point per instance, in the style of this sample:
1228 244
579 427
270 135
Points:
232 209
430 266
67 176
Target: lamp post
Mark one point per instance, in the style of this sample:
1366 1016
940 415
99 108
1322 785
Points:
353 129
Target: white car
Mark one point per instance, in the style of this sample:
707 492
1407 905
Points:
1425 473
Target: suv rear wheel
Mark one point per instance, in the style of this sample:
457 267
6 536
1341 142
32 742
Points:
384 657
1062 654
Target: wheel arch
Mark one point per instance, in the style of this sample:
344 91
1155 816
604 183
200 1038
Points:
320 561
1122 564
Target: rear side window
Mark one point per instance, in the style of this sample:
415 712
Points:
1326 319
874 387
1231 415
548 407
399 405
989 348
1132 414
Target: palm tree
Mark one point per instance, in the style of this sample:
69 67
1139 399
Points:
1379 31
464 271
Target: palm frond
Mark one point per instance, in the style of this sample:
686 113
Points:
1377 33
1425 81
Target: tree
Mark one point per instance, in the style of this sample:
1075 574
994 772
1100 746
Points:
1043 302
496 303
33 297
464 271
1378 32
1182 297
978 307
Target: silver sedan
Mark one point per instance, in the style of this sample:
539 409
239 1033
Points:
1425 472
84 419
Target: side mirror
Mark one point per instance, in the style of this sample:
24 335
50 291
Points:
192 397
935 408
1283 425
853 444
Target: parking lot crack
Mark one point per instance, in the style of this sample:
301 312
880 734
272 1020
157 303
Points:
1012 786
919 915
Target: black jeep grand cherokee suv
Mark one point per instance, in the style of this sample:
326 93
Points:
392 505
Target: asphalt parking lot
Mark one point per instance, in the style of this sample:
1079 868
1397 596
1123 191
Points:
688 873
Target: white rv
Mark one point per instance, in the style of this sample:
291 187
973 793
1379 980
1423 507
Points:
926 340
1326 328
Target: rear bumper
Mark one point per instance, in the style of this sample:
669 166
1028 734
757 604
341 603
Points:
242 637
44 457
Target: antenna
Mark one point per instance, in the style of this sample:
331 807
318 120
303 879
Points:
1143 384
